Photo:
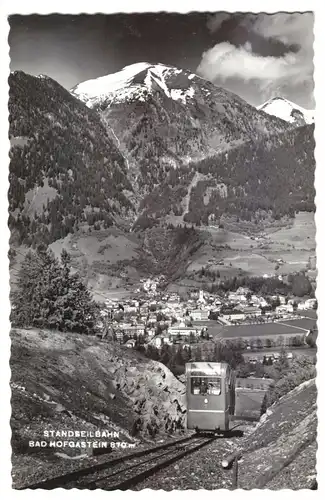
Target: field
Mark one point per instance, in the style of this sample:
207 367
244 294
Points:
233 253
304 323
94 253
310 314
262 330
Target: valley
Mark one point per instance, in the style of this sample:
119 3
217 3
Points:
109 258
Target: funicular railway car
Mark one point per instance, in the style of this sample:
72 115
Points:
210 396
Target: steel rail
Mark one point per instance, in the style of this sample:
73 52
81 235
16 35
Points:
62 480
120 483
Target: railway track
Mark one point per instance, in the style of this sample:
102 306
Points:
128 470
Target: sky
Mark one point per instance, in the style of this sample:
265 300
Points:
256 56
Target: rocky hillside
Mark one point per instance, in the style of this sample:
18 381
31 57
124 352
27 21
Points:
67 381
65 170
281 452
278 453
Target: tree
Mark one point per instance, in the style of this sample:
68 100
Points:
49 296
165 354
259 343
268 342
38 279
197 354
152 352
297 341
301 285
186 355
311 337
283 362
243 370
192 338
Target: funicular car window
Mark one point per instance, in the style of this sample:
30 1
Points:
206 386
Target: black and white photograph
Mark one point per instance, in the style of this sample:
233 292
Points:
162 252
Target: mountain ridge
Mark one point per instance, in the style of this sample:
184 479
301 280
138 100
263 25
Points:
164 118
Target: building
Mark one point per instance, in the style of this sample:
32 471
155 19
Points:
133 330
183 331
159 340
284 309
130 309
252 311
308 304
199 314
235 316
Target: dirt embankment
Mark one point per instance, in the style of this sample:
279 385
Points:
73 382
281 452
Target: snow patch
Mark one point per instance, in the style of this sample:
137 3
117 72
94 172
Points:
178 95
181 95
110 83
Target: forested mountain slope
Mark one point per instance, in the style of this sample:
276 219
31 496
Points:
65 169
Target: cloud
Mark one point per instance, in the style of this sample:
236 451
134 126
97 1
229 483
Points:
227 61
288 74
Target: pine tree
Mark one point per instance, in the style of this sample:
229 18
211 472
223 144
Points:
282 363
46 288
49 296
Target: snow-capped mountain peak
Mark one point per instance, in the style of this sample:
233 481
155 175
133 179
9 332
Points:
110 83
288 111
135 82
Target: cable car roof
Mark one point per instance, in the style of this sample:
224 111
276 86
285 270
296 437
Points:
206 368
